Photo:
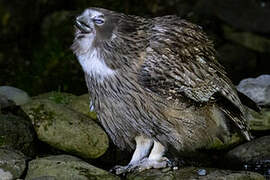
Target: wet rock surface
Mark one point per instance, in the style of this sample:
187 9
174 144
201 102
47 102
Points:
66 129
258 149
254 155
190 173
12 164
17 133
65 167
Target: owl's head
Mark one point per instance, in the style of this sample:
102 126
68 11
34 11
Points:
94 26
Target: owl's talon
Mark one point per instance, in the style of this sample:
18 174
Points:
120 169
91 106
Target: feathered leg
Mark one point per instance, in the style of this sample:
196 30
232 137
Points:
155 159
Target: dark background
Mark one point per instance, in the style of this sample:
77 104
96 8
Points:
35 36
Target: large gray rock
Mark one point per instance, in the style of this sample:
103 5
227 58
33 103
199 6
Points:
12 164
258 89
17 133
256 150
16 95
66 129
191 173
65 167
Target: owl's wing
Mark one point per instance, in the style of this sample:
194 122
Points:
180 62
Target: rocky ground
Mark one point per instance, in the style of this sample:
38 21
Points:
53 136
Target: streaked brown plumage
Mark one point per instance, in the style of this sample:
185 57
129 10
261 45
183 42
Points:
156 80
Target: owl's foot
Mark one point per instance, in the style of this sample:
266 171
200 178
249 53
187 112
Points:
148 154
147 163
142 165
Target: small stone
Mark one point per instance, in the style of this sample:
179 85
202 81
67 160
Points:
201 172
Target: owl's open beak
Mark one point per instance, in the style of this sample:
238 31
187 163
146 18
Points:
82 24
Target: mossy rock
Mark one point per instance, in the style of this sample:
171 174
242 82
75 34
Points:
66 167
66 129
57 97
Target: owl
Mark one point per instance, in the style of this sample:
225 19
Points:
156 85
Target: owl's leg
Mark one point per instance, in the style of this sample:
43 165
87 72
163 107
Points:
155 159
143 147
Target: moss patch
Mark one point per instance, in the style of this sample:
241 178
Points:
60 98
39 114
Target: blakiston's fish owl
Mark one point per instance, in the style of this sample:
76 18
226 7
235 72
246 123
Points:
155 84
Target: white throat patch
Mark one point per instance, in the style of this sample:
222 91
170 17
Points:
93 65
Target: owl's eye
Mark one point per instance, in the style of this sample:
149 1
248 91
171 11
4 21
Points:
99 21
